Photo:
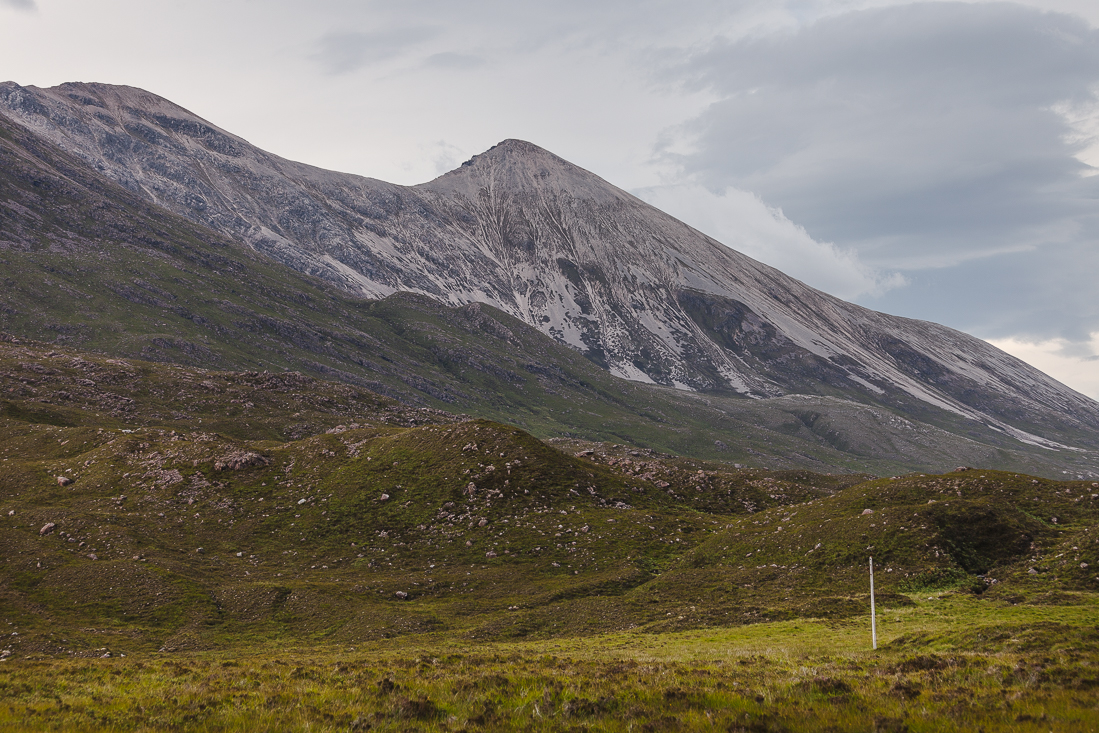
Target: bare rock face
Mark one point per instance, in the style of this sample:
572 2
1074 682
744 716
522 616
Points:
639 292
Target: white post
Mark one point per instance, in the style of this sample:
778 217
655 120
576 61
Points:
873 615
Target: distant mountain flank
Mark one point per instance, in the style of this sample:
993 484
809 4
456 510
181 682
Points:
638 292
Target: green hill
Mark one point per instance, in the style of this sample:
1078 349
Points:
211 520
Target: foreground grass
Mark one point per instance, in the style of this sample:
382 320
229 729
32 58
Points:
946 664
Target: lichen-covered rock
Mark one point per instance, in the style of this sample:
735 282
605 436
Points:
240 460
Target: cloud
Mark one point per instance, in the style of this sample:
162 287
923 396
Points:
28 5
456 61
1072 363
445 157
742 221
345 52
952 142
922 120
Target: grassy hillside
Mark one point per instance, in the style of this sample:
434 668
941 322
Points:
190 549
211 519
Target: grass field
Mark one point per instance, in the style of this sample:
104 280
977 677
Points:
947 662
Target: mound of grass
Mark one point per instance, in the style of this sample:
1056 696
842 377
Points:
384 521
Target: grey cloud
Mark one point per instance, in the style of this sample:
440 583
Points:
1038 294
29 5
457 61
923 136
344 52
611 26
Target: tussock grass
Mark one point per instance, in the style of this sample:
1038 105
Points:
784 676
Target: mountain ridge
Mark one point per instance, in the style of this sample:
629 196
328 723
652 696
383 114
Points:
640 293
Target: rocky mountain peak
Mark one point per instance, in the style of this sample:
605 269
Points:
116 97
518 168
86 104
638 292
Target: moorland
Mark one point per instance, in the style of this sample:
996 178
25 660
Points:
185 548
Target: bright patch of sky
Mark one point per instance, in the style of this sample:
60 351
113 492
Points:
1076 361
933 160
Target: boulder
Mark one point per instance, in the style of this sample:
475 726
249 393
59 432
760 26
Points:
239 460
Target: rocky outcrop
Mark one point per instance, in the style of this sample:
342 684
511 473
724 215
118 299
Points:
239 460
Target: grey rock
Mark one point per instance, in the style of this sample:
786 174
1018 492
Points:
239 460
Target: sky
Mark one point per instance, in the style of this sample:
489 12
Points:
934 160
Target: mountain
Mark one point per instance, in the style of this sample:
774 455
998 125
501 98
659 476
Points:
636 291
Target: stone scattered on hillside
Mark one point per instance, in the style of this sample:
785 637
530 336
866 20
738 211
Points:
47 528
64 480
240 459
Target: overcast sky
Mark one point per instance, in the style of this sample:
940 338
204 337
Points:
932 160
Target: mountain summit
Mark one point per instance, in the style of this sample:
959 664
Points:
637 291
517 166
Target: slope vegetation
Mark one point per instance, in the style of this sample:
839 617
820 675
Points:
386 521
